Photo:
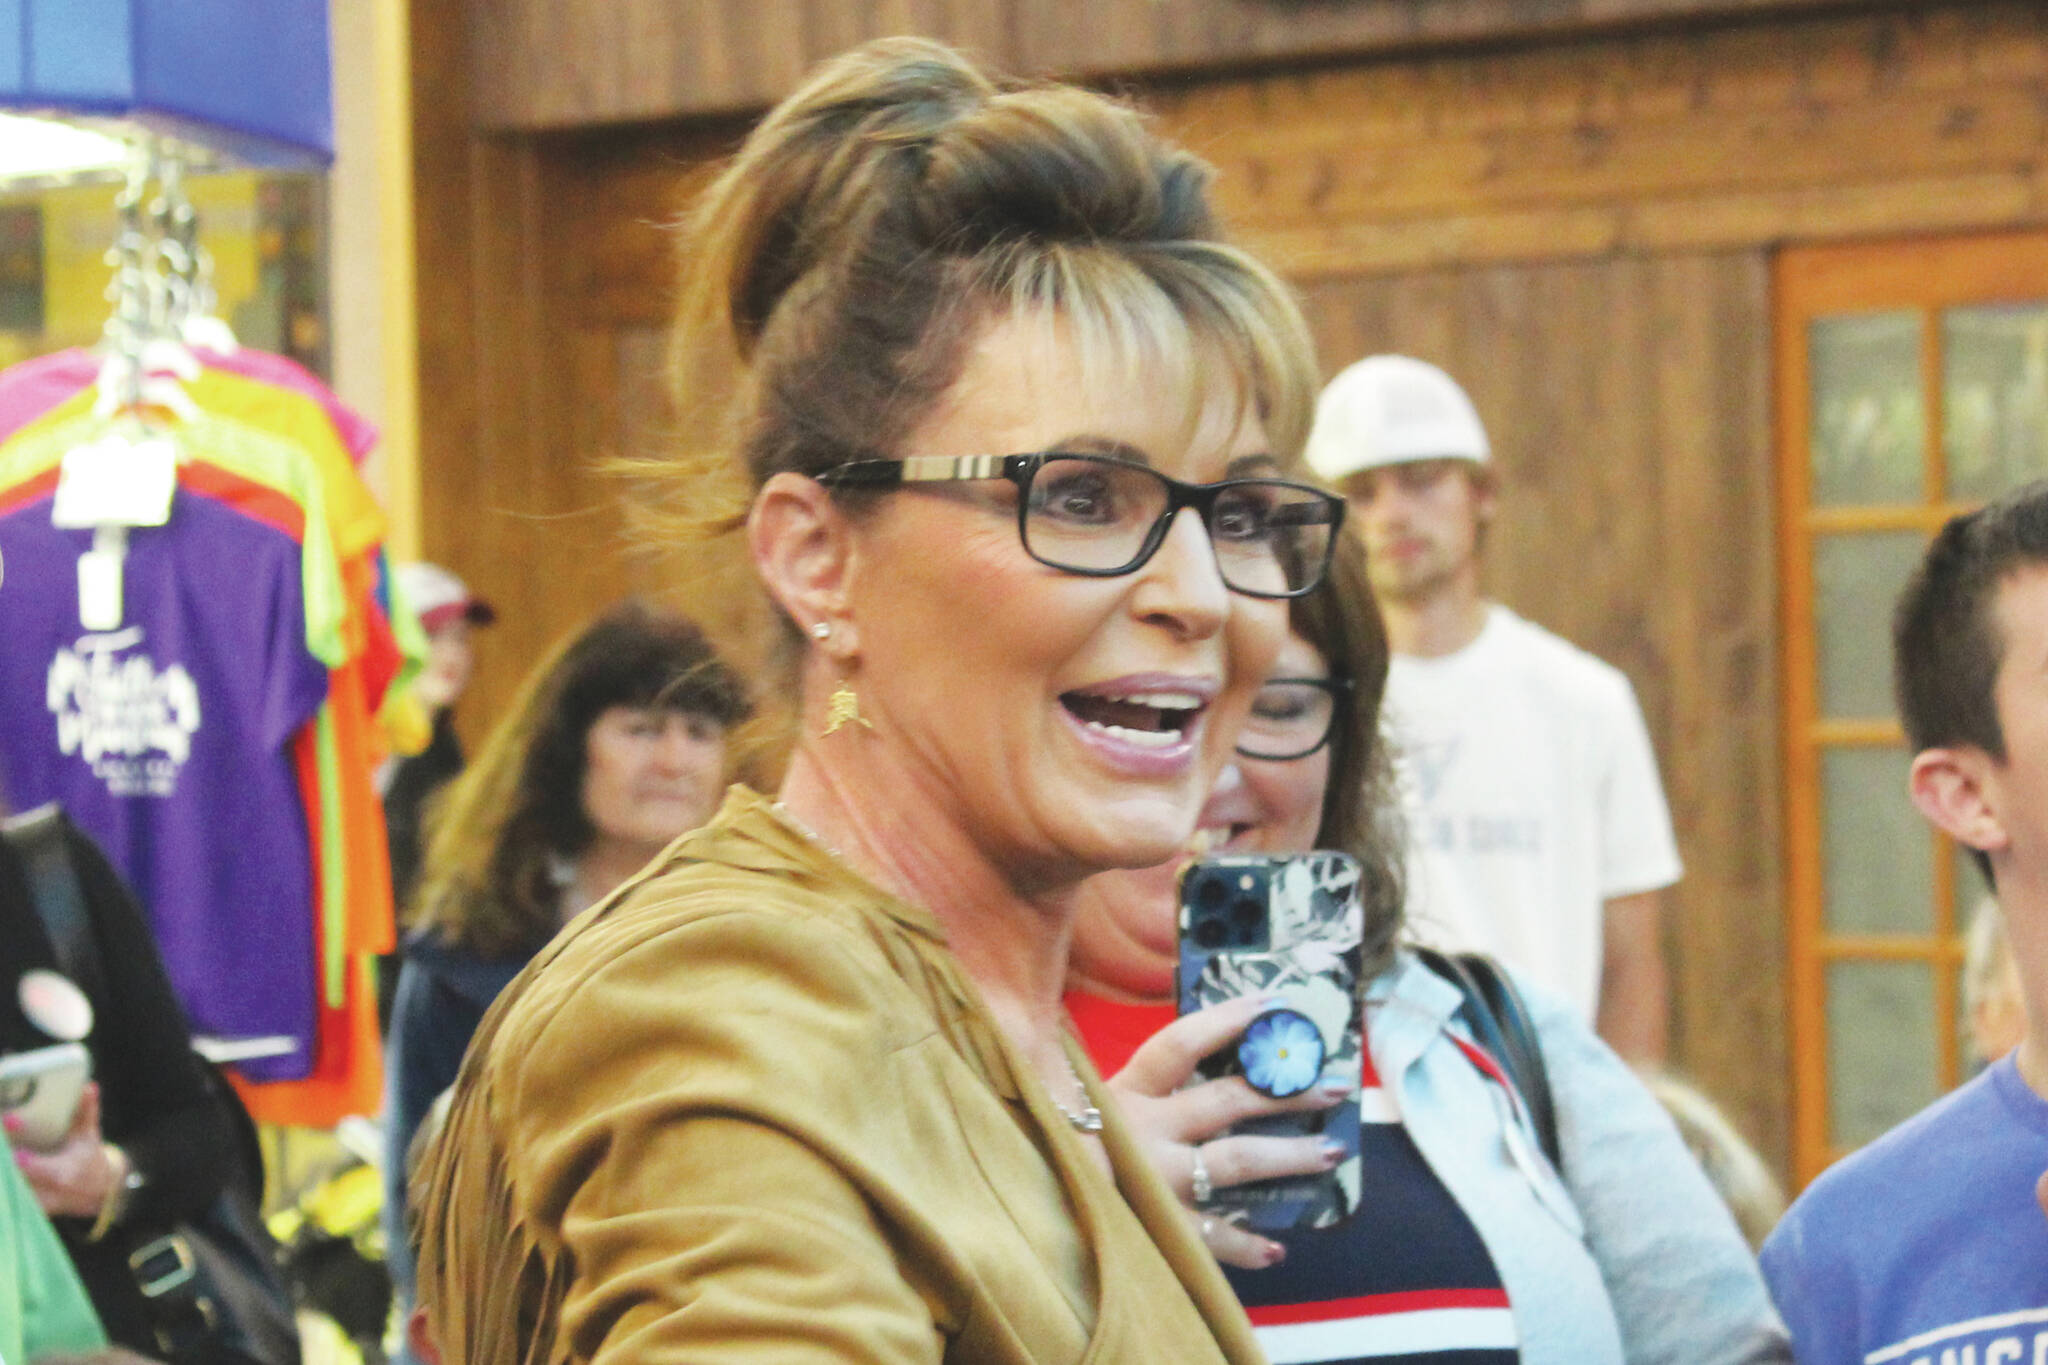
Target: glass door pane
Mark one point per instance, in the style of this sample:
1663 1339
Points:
1994 399
1883 1060
1869 432
1856 579
1878 859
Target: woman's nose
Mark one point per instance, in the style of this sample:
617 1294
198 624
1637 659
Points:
1182 585
676 750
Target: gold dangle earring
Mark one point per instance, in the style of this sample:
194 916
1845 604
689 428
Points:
842 708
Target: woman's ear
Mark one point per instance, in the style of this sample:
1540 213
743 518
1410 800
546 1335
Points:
802 546
1951 788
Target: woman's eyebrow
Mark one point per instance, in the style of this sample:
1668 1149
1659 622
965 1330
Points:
1240 467
1101 445
1251 464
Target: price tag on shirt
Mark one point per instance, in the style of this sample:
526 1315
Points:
99 580
118 480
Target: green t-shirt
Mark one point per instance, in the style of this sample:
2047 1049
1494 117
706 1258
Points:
43 1308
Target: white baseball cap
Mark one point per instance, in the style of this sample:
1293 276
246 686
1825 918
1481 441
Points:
438 597
1392 409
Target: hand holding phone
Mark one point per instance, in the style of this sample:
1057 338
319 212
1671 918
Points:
40 1091
1177 1117
1288 930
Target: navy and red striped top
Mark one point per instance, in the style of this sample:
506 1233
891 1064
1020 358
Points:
1406 1279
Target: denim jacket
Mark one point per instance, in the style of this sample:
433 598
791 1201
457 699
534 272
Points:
1630 1256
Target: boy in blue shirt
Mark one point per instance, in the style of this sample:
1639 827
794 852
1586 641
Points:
1927 1247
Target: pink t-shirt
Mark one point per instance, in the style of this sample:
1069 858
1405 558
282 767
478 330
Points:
33 387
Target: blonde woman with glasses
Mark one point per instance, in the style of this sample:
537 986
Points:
1015 437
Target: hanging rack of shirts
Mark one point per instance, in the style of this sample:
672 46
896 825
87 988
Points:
201 628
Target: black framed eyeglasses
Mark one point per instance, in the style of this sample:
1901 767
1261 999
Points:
1291 718
1102 517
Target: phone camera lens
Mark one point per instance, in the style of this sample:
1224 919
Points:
1210 934
1210 892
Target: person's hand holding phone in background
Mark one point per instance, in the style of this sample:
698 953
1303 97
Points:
74 1179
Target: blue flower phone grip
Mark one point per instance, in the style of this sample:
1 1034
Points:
1281 1053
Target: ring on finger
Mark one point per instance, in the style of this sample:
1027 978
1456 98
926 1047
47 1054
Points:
1198 1184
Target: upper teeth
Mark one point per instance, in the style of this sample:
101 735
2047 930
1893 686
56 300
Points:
1164 701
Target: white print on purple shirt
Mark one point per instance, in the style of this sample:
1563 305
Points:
129 721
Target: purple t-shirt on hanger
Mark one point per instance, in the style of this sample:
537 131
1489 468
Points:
167 741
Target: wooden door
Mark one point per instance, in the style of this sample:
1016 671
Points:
1912 384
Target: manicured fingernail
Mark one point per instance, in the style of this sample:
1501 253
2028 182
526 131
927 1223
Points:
1333 1151
13 1122
1336 1089
1273 1253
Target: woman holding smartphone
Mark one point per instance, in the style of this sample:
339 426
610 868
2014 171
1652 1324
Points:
149 1145
1009 428
1466 1240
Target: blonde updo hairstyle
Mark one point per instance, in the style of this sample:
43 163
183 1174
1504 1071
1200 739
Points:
840 267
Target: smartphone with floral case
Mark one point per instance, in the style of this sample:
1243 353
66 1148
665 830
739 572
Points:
1289 927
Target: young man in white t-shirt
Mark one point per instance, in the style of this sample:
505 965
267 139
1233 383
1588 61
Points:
1537 827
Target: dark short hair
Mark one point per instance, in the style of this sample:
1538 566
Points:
1946 643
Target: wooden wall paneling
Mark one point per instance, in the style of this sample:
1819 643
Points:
615 260
558 64
555 64
452 450
627 194
1713 366
445 278
492 488
1303 175
1628 403
1094 39
1667 142
1818 128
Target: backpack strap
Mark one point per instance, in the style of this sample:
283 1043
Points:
1500 1022
1524 1050
41 838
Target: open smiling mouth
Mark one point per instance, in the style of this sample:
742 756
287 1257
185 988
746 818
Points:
1152 720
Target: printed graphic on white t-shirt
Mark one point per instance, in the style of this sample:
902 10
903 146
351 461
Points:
1531 797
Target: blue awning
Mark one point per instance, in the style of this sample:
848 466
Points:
248 78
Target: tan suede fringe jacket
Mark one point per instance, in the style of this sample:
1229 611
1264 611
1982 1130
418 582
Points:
749 1108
